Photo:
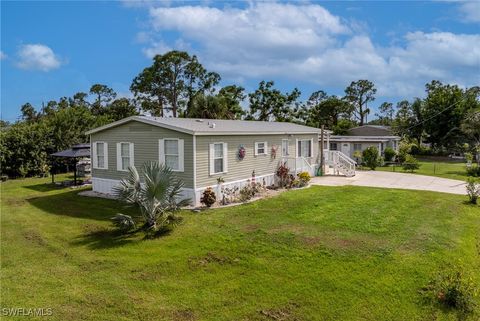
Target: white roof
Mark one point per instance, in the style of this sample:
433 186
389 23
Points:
197 126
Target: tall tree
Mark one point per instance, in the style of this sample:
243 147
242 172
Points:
172 82
233 96
121 108
103 95
28 112
321 109
471 127
385 114
268 103
359 94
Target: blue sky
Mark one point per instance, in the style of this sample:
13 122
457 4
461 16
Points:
55 49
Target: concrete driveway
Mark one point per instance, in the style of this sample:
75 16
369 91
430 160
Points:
395 180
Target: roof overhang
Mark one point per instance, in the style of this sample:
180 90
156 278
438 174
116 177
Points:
363 138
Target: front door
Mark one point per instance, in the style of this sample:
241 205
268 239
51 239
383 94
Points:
345 149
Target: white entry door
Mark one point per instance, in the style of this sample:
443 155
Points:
345 149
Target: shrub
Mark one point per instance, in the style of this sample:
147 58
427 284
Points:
411 163
123 222
250 191
371 157
473 170
473 190
282 174
389 154
208 197
303 179
404 149
453 290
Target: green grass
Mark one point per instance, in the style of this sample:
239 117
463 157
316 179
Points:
322 253
453 170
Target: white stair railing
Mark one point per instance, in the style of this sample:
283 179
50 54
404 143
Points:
298 165
340 162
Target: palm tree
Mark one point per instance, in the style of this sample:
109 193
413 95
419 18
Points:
158 195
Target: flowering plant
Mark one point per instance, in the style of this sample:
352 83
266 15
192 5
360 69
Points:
241 152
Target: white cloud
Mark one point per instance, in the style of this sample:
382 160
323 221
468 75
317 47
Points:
2 55
37 57
470 11
306 42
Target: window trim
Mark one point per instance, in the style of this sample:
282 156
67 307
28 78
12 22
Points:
299 150
265 148
181 153
95 155
131 159
333 143
355 149
212 158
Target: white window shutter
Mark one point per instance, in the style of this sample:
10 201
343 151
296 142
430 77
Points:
225 157
161 151
211 154
255 152
119 156
94 155
266 148
105 148
181 154
297 149
132 154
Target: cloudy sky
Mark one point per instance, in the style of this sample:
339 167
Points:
54 49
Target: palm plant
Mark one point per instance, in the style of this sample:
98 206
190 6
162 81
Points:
158 196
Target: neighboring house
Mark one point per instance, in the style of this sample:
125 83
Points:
360 138
201 151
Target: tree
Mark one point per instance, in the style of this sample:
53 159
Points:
172 82
321 109
444 109
157 196
267 103
471 127
103 93
342 127
233 96
28 112
385 114
121 108
359 94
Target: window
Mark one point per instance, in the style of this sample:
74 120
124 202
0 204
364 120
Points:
284 147
100 155
124 156
333 146
171 153
305 148
261 148
357 147
218 158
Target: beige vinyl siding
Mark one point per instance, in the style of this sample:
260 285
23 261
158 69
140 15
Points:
242 169
145 138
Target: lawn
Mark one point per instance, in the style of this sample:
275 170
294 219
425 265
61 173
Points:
322 253
453 170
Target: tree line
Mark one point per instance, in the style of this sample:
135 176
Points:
178 85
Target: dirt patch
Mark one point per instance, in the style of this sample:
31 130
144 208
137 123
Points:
251 228
285 313
15 202
210 258
92 228
183 315
34 237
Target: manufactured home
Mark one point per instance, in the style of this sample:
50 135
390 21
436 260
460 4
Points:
362 137
202 152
